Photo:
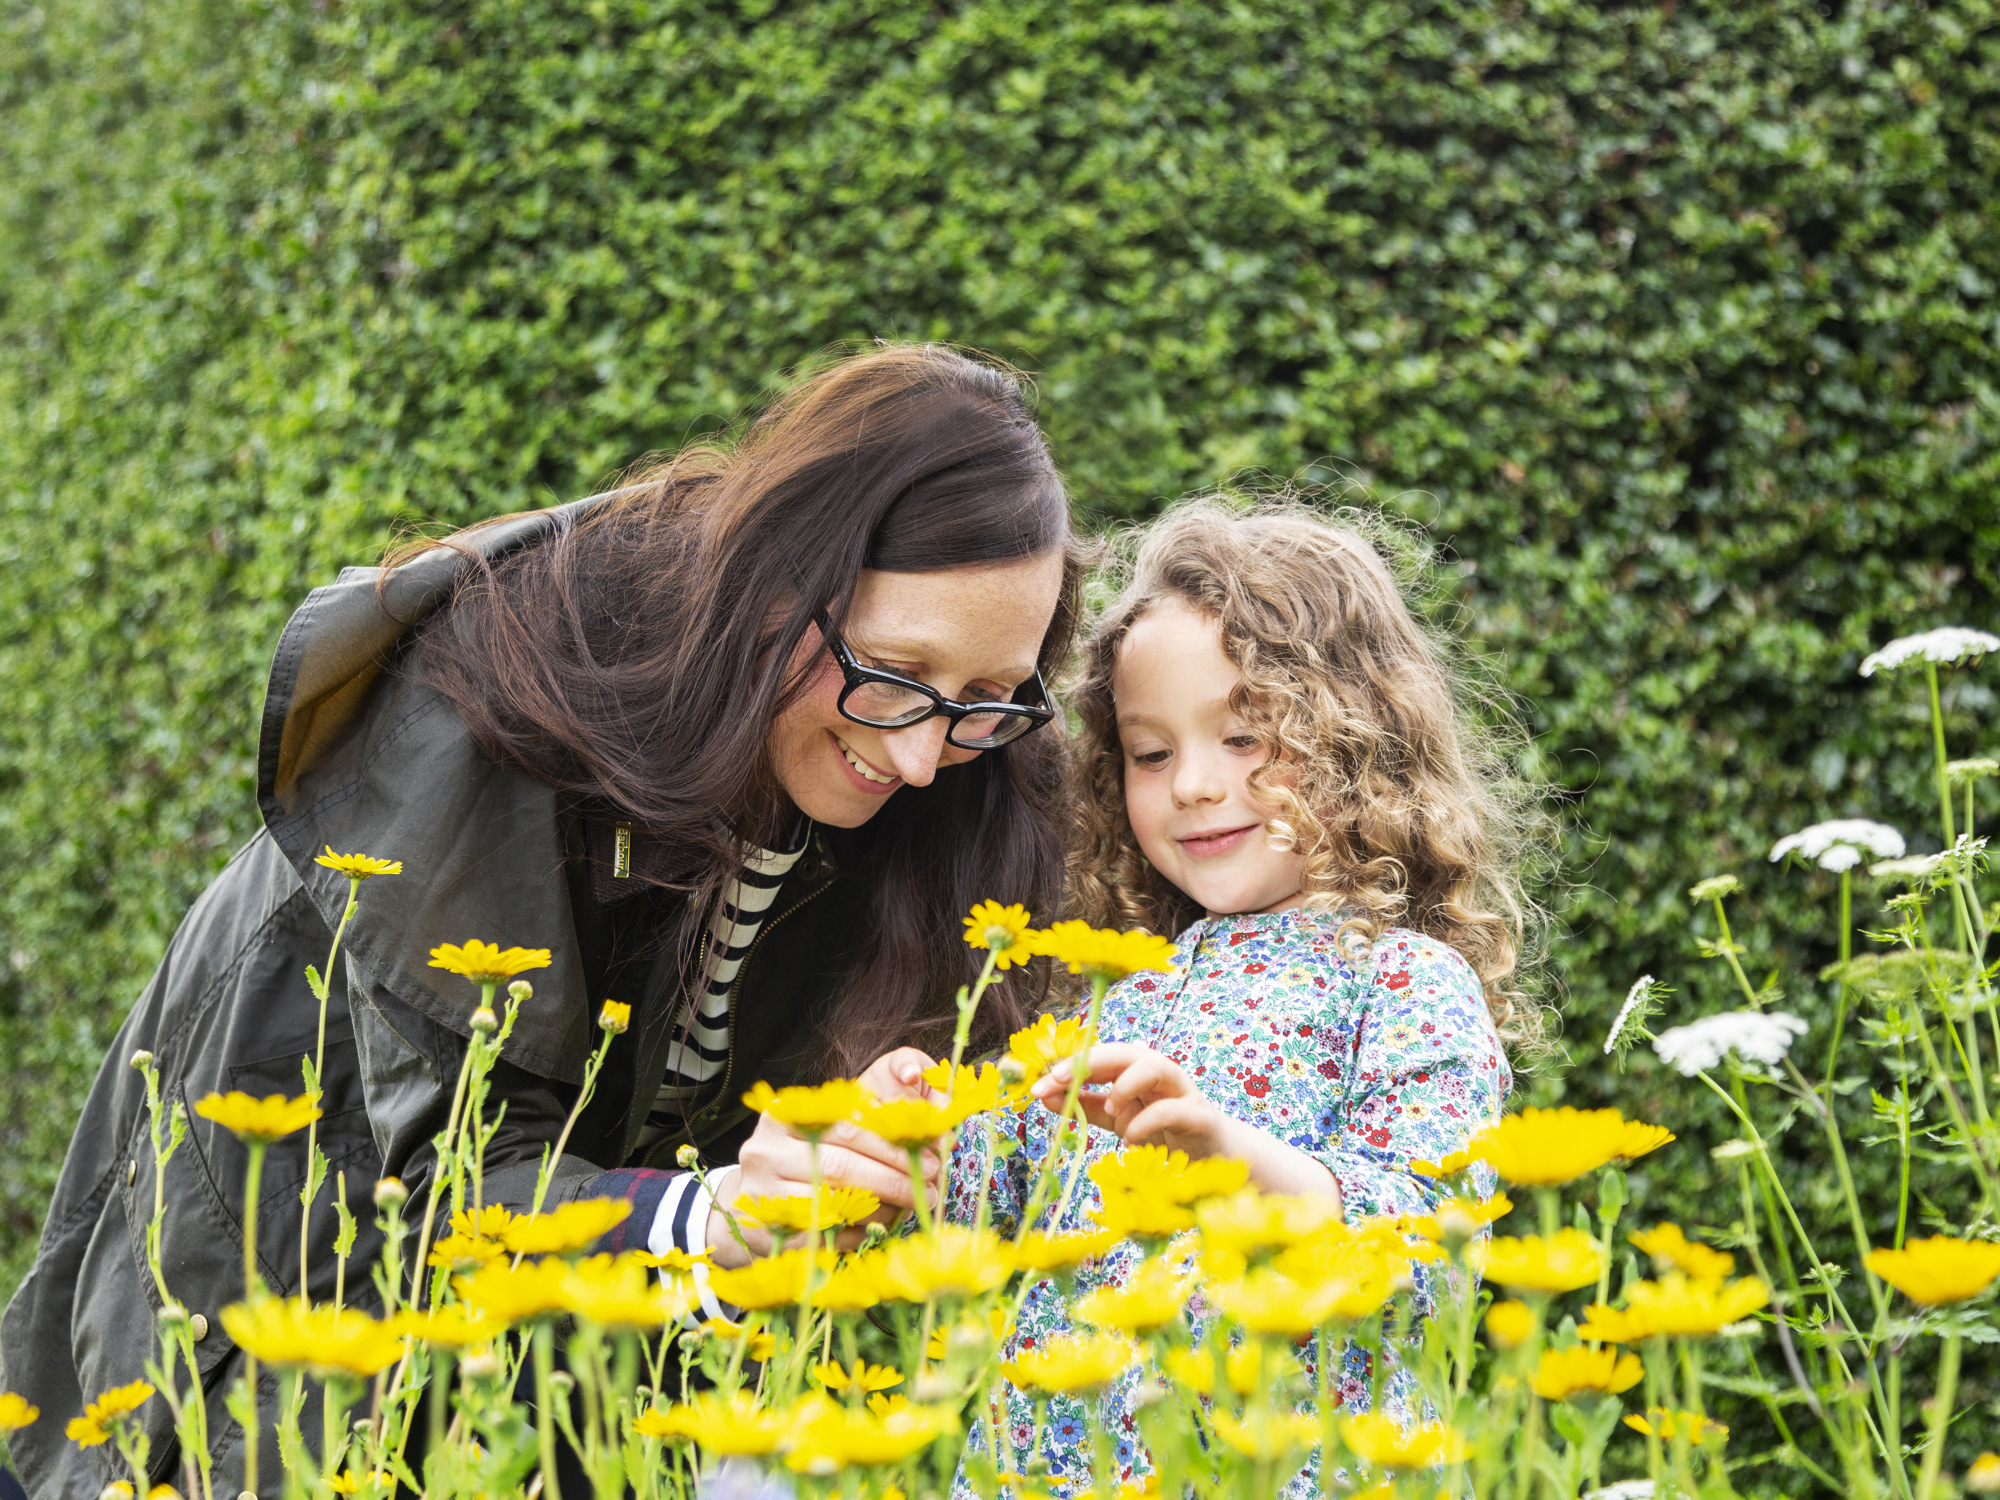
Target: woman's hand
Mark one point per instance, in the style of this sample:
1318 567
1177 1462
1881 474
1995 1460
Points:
1151 1098
777 1162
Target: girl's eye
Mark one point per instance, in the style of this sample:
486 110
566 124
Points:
1150 758
1241 742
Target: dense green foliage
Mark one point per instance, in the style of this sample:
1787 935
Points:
1676 324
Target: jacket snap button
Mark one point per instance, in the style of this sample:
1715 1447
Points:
198 1326
131 1171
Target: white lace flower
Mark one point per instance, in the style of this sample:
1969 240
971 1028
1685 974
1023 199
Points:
1944 646
1634 998
1761 1036
1624 1489
1916 867
1839 844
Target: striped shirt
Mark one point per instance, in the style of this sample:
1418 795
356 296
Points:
700 1048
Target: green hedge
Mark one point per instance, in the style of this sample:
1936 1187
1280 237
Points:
1676 323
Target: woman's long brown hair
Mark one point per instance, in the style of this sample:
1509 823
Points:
635 659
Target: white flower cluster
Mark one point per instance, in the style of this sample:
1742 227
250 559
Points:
1839 845
1944 646
1760 1036
1641 989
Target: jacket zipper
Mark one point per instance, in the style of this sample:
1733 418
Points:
729 1065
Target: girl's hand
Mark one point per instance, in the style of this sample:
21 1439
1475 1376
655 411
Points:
1151 1098
777 1162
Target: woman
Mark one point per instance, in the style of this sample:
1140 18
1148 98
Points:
715 740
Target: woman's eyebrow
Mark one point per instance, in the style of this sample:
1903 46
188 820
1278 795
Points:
928 652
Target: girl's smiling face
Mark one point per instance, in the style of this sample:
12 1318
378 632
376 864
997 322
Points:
1188 760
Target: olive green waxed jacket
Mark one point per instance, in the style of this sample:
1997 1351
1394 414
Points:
359 756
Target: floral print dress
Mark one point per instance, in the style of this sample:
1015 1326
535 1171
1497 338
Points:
1367 1064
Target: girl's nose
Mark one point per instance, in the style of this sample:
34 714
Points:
1197 779
916 751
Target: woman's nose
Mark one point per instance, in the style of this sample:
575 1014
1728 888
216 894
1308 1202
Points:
916 751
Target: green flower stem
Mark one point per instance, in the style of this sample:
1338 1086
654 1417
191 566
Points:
545 1429
1078 1068
1729 953
1987 1187
253 1286
1840 985
445 1153
319 1084
1857 1221
1941 1400
591 1068
1937 744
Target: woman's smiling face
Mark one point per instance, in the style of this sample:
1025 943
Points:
1188 760
971 633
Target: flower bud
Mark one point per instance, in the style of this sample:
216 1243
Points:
932 1384
562 1382
615 1017
520 992
390 1193
484 1021
172 1315
1148 1393
480 1364
1982 1477
142 1060
1012 1072
688 1157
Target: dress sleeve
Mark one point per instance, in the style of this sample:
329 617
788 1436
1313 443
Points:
1426 1074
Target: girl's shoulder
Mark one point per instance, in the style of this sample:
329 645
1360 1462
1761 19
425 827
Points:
1403 958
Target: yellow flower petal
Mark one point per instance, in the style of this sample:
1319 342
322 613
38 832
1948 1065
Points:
15 1412
358 867
1938 1270
571 1226
487 963
1563 1373
268 1119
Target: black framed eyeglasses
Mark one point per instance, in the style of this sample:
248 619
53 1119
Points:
888 700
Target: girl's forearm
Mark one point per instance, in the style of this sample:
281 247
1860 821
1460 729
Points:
1274 1166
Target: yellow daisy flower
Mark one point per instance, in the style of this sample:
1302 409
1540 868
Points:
1666 1425
1151 1297
15 1412
1249 1222
513 1294
1564 1261
1169 1175
1384 1443
615 1017
1266 1436
1982 1475
953 1262
1563 1373
1003 930
1548 1147
795 1212
971 1091
1143 1215
1510 1324
487 963
1036 1251
616 1292
1460 1218
1039 1047
572 1226
358 867
104 1414
911 1122
811 1111
453 1326
825 1438
770 1281
1071 1362
268 1119
1250 1366
1103 954
1665 1243
285 1332
1938 1270
733 1425
1673 1305
863 1376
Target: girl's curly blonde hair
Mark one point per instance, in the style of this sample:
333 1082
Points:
1403 804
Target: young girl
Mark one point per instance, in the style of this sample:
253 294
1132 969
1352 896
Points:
1274 767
